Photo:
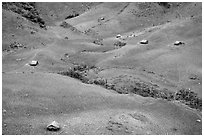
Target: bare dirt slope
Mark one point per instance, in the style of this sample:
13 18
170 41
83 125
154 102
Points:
120 85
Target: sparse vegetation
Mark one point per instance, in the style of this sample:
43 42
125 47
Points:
65 25
98 42
189 98
140 88
14 46
165 4
77 72
119 44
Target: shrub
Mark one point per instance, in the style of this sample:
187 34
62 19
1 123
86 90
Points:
75 74
98 42
72 15
165 4
189 98
65 25
119 44
78 72
100 81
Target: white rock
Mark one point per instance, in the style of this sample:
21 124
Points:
4 110
54 126
198 120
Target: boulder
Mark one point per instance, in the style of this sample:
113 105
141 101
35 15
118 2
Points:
54 126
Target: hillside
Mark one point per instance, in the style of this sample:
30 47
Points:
93 74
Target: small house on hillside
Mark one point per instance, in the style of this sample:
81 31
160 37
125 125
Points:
102 18
178 43
33 63
144 41
118 36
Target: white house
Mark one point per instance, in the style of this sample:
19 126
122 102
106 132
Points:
33 63
144 41
178 42
118 36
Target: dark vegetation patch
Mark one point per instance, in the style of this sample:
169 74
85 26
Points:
14 46
72 15
98 42
66 25
190 98
141 88
123 8
78 72
165 4
25 9
119 44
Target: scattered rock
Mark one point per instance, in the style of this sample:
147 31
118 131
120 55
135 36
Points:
194 77
18 59
54 126
16 45
98 41
32 32
4 111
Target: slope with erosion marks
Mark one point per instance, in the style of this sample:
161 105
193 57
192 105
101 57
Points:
121 17
18 28
35 96
92 18
54 12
